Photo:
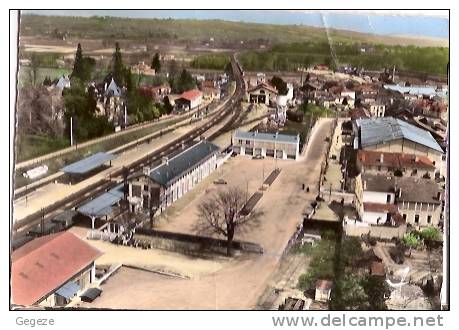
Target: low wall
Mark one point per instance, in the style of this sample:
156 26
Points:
378 232
193 244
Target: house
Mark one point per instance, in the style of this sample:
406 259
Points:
376 109
281 146
388 134
323 290
52 270
63 82
210 93
395 201
378 162
156 93
189 100
166 183
321 67
142 69
262 93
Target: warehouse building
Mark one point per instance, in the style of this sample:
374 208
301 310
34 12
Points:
281 146
52 270
388 134
160 187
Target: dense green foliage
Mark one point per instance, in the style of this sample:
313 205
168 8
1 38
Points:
80 104
280 85
118 69
430 233
289 57
82 66
182 82
211 61
336 260
156 63
314 110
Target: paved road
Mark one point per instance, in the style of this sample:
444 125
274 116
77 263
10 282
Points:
240 283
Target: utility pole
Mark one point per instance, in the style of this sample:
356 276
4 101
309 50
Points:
71 131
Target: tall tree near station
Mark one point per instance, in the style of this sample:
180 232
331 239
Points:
118 67
78 64
156 63
222 215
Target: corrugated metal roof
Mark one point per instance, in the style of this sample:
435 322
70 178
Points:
416 90
102 204
68 290
269 137
382 130
87 164
183 162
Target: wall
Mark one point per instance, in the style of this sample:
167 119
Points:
378 197
372 217
381 232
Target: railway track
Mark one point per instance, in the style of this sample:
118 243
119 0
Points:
20 227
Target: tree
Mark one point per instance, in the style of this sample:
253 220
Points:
280 85
349 294
156 63
118 66
33 72
377 291
221 214
78 64
411 241
430 233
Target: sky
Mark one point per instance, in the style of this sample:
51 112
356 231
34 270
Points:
429 23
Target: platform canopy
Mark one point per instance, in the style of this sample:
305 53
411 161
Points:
88 164
102 204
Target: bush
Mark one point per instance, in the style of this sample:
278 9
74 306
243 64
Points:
295 116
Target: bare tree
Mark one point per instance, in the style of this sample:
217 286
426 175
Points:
222 214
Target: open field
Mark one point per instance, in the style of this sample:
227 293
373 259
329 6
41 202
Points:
178 30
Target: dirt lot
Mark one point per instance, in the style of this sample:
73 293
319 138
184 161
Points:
239 283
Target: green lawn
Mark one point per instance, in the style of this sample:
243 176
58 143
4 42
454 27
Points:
42 73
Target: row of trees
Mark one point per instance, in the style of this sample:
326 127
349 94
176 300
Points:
287 57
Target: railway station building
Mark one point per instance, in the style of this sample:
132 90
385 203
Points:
157 188
262 93
281 146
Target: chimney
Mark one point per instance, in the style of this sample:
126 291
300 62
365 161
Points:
416 159
364 184
183 146
399 192
439 195
146 170
381 158
165 161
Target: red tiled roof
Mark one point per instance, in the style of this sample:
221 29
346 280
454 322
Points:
358 113
377 269
394 159
191 94
379 207
208 83
46 263
264 86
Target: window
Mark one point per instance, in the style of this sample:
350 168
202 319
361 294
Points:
145 188
247 142
388 198
429 219
416 219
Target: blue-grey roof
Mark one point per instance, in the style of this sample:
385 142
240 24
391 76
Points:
68 290
385 129
102 204
416 90
268 137
87 164
165 174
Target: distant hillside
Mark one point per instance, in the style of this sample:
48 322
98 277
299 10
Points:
200 30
